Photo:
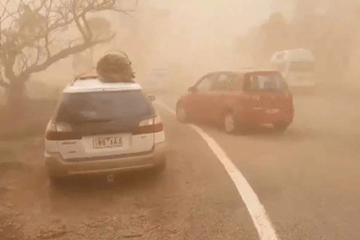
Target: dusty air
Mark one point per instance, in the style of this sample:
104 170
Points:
179 119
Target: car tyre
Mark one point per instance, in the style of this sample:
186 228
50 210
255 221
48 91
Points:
230 123
281 127
181 114
160 168
56 182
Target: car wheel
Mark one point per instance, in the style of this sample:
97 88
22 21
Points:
281 126
159 168
181 114
230 124
56 182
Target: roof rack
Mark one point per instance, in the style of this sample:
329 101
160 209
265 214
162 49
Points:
86 75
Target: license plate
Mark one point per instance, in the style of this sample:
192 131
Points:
109 142
272 111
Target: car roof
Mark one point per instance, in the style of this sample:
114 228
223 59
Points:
245 71
90 82
300 53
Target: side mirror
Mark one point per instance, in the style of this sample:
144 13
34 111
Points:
152 98
192 89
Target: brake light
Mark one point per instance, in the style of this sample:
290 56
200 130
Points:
151 125
287 94
60 131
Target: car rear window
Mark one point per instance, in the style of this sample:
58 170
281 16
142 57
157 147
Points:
103 106
264 82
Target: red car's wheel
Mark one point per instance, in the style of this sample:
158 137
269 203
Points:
181 113
281 126
230 124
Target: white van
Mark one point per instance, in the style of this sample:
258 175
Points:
297 67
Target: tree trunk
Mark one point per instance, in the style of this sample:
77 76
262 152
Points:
91 53
16 99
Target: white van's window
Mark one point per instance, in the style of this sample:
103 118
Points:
280 56
301 66
279 66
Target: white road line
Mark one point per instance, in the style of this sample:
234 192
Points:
257 211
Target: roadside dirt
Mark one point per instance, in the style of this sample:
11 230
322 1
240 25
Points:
193 199
31 209
80 208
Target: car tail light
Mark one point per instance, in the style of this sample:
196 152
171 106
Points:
288 94
151 125
60 131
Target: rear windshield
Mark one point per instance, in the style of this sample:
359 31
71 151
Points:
103 106
301 66
264 82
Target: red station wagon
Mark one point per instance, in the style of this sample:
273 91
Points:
239 100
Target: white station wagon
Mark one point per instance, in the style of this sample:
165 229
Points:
103 128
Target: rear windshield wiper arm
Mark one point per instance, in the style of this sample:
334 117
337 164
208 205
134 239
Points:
99 120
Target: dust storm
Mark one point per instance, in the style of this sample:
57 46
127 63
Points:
241 122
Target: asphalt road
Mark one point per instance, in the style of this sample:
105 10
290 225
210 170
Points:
306 178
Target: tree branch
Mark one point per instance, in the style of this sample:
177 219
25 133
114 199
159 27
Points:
2 82
86 23
63 54
5 8
77 21
34 27
77 13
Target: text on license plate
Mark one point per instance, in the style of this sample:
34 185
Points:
109 142
272 111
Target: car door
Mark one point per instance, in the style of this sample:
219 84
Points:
222 95
198 101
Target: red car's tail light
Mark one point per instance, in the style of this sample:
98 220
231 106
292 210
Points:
60 132
288 95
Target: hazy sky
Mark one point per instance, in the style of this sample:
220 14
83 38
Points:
214 25
232 16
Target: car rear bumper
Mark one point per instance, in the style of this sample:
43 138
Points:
260 117
58 167
300 86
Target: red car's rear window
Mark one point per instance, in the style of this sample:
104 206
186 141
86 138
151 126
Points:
264 82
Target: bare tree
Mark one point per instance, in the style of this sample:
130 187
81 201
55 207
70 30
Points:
34 34
101 27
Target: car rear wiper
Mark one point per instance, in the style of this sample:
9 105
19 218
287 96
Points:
97 120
